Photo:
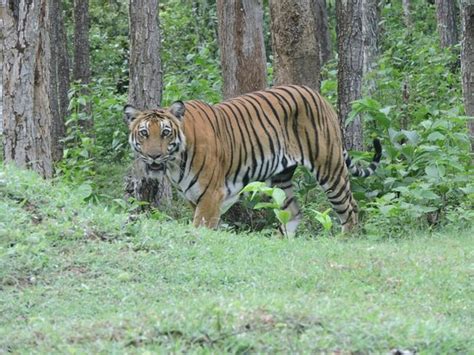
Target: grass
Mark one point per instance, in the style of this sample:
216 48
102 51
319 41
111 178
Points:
78 277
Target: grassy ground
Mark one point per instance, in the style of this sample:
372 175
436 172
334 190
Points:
77 277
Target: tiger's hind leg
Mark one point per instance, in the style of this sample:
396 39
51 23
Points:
283 181
337 187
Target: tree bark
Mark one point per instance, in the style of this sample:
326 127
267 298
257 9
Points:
350 67
294 42
370 32
60 68
144 92
240 27
467 63
322 31
2 38
446 16
31 108
81 71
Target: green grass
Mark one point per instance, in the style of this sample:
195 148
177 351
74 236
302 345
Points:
78 277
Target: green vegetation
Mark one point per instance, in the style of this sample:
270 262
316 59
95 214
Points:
78 276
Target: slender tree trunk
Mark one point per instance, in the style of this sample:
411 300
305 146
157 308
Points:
370 32
447 28
407 12
322 31
240 27
467 63
350 67
31 107
2 39
144 92
295 47
81 70
60 68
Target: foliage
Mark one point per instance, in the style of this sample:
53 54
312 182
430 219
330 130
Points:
323 218
277 196
426 172
191 64
105 141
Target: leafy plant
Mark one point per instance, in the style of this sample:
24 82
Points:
323 218
277 196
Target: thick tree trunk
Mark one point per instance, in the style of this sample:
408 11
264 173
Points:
322 31
467 63
240 27
144 91
370 32
446 16
294 42
350 67
406 4
31 107
81 70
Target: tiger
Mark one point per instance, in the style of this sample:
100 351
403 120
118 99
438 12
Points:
210 152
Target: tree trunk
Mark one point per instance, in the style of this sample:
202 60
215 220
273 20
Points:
144 92
322 31
467 63
370 20
81 71
350 67
31 106
240 27
407 12
60 67
2 38
446 16
294 42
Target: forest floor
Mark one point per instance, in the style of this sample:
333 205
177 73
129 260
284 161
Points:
76 276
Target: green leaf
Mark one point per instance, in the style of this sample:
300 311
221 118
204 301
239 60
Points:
84 191
253 186
261 205
432 171
82 101
279 196
282 216
436 136
412 136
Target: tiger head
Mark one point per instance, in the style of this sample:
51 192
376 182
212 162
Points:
156 135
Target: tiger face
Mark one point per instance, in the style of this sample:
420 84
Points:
156 135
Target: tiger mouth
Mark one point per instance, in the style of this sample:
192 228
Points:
156 166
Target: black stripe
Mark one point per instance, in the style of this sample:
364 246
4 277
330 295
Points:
207 187
257 138
295 124
249 137
195 178
182 165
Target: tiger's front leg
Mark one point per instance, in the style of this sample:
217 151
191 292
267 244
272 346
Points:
207 211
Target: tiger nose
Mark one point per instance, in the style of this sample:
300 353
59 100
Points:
154 157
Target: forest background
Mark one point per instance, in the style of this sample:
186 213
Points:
416 212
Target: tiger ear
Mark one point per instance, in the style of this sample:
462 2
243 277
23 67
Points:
130 113
177 109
